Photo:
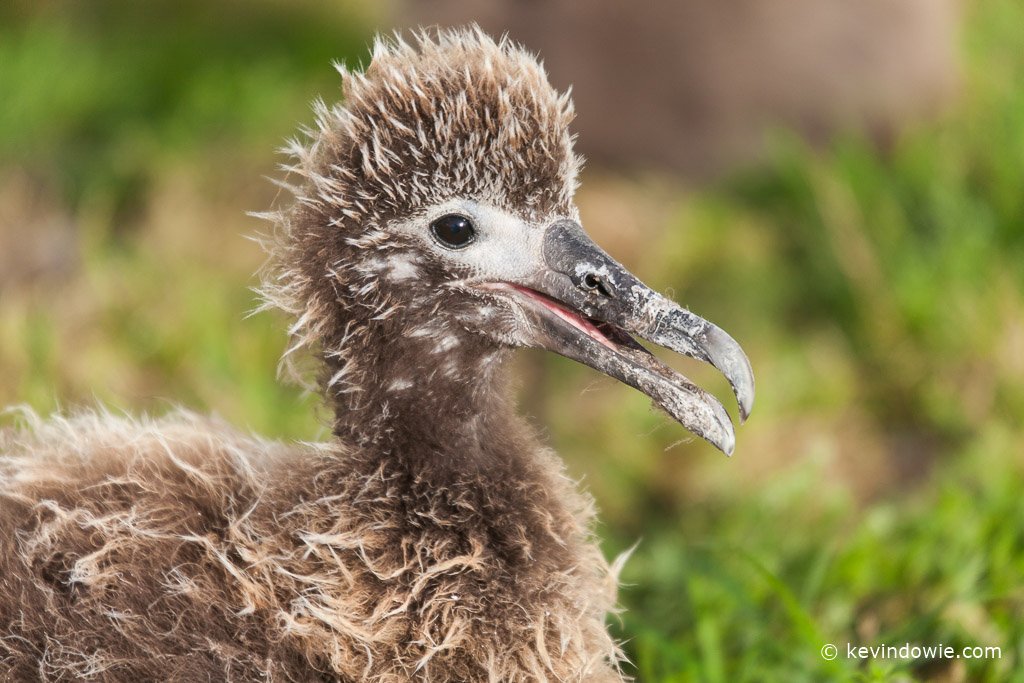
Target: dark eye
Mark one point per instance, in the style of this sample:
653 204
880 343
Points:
453 231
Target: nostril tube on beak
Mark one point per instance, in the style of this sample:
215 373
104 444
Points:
592 282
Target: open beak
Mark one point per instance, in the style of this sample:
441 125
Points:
583 305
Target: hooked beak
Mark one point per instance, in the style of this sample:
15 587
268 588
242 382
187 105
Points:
583 305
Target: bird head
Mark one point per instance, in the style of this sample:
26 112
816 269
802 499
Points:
434 210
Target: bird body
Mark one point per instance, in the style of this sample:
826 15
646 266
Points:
433 537
181 550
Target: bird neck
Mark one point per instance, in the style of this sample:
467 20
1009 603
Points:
438 386
431 414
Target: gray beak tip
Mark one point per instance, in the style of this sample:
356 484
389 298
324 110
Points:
726 355
746 404
725 439
745 391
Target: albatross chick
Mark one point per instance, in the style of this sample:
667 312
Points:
433 538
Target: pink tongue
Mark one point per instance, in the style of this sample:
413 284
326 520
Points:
571 317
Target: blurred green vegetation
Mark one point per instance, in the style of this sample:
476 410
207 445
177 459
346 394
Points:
876 492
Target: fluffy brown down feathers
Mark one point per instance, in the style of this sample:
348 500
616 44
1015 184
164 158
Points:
444 546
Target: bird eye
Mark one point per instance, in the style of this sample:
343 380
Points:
453 231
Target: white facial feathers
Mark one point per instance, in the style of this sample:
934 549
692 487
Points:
506 247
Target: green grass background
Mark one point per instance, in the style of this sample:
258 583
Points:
876 493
